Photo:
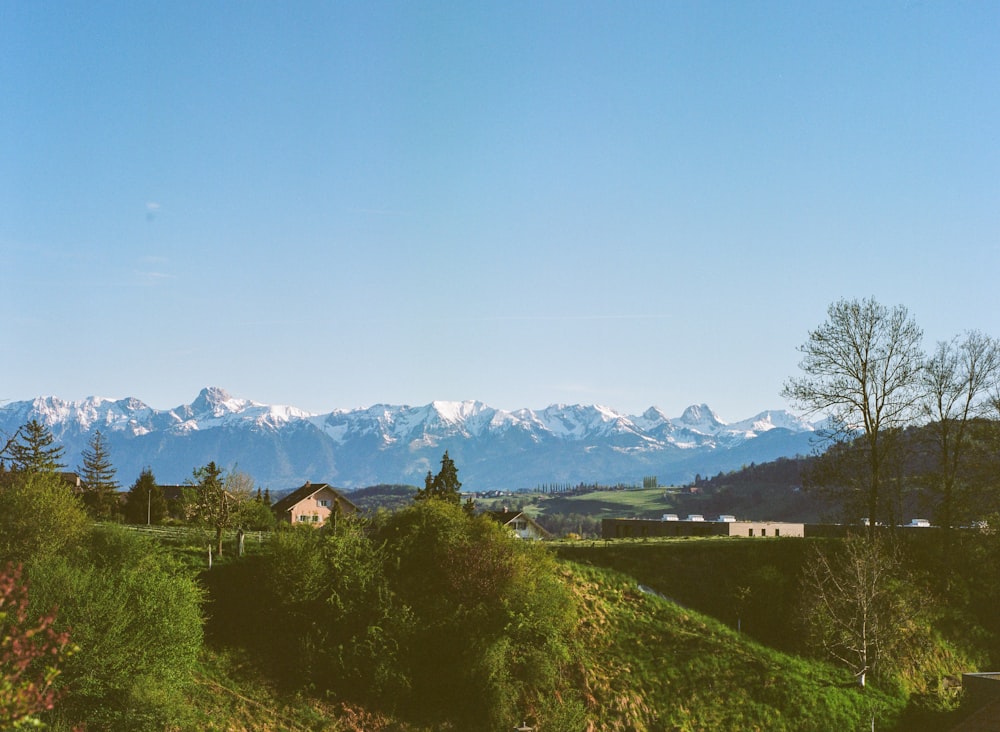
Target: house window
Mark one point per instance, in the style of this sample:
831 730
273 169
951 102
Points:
751 532
763 532
520 525
315 518
324 502
777 532
303 518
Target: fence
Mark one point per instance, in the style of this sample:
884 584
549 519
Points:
194 535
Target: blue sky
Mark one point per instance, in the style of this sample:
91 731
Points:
339 204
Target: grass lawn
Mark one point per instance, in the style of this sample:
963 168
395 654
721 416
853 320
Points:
639 503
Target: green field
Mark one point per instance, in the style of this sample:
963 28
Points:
638 503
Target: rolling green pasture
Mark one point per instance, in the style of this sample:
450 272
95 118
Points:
639 503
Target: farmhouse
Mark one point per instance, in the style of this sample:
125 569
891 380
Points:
312 504
523 526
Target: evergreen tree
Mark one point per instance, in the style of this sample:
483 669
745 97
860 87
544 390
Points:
34 450
444 486
145 502
98 477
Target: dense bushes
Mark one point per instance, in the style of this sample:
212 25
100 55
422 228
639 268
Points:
136 622
133 617
428 614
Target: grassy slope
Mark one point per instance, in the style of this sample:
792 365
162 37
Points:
644 663
654 665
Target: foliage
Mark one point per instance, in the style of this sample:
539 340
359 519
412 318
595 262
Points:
256 514
571 524
215 499
33 449
428 614
39 516
98 477
444 486
136 621
490 617
31 652
385 496
145 503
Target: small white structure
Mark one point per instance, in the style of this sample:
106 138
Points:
726 518
918 522
670 517
695 517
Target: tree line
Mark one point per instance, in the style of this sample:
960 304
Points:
864 369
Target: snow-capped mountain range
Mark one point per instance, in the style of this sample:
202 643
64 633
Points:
281 447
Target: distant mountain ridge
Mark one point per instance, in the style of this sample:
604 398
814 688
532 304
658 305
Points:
282 446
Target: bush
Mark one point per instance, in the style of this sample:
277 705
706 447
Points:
490 618
429 614
39 517
137 625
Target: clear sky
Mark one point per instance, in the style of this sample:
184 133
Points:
332 205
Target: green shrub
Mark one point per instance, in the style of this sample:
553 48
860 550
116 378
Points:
39 517
136 622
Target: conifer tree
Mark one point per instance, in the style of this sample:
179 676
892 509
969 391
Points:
145 502
98 477
34 450
444 486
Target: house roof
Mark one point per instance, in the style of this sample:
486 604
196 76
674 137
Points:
306 491
505 517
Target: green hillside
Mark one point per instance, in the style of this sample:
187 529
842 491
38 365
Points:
639 663
651 664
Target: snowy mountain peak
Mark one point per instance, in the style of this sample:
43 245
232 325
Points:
772 419
700 418
215 401
457 412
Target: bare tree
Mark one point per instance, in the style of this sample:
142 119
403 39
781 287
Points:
959 380
861 368
858 608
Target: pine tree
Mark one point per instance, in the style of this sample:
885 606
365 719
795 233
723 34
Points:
98 477
34 450
145 502
444 486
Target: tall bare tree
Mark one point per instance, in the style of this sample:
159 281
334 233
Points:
959 380
861 368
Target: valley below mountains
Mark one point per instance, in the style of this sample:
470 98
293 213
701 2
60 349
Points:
281 447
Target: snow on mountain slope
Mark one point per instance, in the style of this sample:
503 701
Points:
770 420
389 443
